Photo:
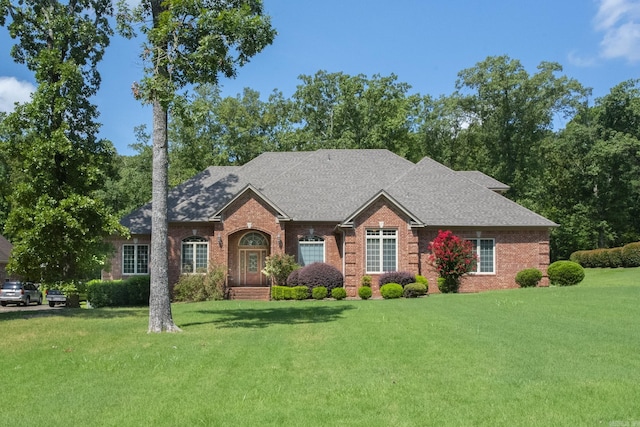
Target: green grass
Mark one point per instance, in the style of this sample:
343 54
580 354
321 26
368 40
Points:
531 357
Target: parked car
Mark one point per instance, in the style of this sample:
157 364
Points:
19 293
56 296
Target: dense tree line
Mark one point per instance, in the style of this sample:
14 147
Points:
501 120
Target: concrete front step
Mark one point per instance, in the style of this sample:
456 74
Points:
261 293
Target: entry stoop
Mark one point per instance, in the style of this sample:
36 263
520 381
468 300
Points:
260 293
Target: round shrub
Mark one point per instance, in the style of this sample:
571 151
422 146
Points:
423 280
294 278
365 281
414 290
615 257
320 274
448 284
338 293
319 292
565 273
300 292
529 277
365 292
391 290
631 255
400 277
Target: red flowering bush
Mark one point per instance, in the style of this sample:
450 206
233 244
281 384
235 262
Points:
452 257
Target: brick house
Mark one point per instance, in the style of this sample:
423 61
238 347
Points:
363 211
5 252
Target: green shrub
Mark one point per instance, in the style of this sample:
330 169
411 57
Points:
319 292
365 281
201 287
414 290
278 293
119 293
320 274
299 292
400 277
423 280
631 255
615 257
391 290
338 293
529 277
565 273
365 292
449 284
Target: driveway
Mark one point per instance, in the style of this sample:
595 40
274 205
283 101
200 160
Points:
31 307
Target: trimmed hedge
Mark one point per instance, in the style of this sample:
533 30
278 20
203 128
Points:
319 293
414 290
119 293
529 277
391 290
626 256
400 277
565 273
365 292
631 255
279 293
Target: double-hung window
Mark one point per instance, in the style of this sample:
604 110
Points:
310 250
382 250
135 259
485 249
195 255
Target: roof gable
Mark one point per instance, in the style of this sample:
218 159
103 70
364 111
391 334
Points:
415 221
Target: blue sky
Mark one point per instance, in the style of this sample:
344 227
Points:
424 42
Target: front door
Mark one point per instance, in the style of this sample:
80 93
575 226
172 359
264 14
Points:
251 265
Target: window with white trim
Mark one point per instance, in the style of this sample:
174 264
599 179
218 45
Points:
310 250
485 249
135 259
195 255
382 250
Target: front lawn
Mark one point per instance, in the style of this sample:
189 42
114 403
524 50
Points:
542 356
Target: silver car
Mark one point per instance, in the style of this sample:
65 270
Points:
19 293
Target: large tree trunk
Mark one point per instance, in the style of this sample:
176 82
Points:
160 318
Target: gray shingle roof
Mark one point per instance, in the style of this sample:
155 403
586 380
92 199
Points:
484 180
5 250
331 185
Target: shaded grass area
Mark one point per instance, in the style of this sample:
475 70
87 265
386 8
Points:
542 356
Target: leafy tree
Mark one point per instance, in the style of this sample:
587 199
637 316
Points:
452 258
56 164
186 42
510 112
336 110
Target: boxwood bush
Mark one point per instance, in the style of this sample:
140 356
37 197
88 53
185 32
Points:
338 293
400 277
319 292
391 290
529 277
565 273
414 290
300 292
364 292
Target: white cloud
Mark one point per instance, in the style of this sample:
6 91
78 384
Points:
13 90
581 61
620 22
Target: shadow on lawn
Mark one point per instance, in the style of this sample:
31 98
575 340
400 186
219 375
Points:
106 313
263 317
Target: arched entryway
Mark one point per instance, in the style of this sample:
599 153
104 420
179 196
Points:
253 249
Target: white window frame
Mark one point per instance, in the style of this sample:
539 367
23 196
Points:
193 242
310 241
378 234
476 250
136 260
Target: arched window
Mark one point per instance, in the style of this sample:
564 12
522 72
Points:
195 255
253 239
310 250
